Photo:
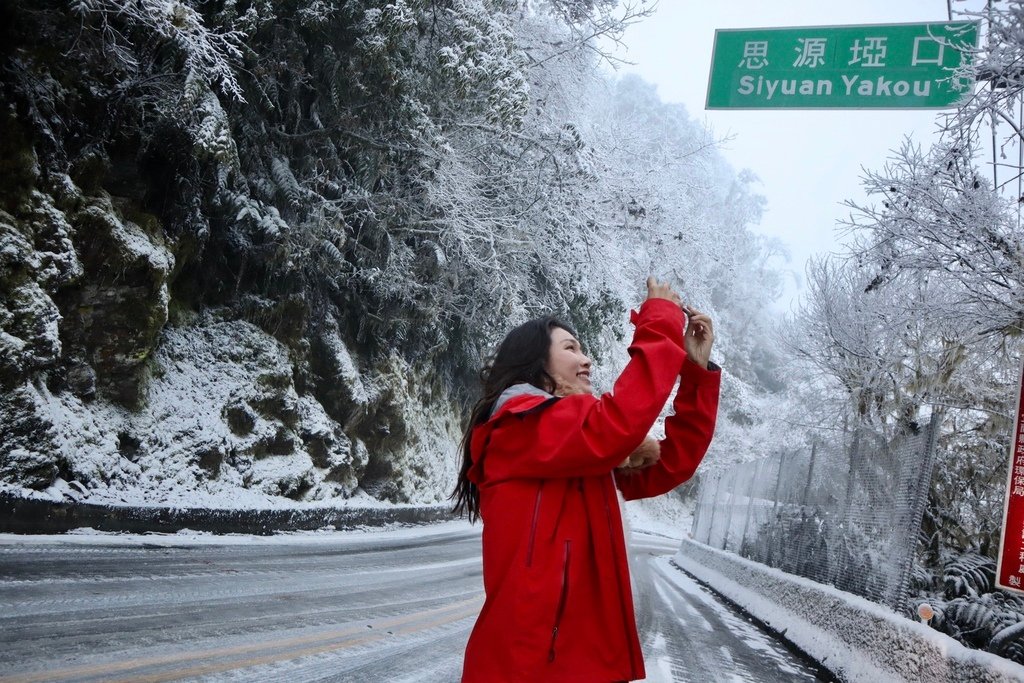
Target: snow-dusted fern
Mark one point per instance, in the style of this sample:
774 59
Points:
969 574
258 217
212 136
282 174
975 620
211 55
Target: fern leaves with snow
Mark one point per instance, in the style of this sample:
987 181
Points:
969 574
282 174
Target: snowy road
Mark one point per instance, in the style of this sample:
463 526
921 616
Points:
335 607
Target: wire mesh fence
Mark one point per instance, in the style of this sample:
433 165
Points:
845 512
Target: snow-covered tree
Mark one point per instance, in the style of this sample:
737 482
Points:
335 208
924 312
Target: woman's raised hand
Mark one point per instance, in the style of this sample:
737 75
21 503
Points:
700 331
662 290
700 335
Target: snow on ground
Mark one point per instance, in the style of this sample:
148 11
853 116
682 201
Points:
188 538
666 516
862 640
233 499
755 638
659 666
223 426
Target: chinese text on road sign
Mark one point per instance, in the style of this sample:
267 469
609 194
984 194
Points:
1010 570
901 66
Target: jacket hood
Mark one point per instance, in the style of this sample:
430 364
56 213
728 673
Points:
515 391
516 400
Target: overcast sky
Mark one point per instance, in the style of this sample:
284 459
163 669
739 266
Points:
808 162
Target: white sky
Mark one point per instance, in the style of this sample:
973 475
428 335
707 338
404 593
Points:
808 161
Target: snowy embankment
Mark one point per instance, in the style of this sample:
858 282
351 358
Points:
855 638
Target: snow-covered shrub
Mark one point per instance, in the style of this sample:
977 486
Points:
991 621
179 25
969 574
969 608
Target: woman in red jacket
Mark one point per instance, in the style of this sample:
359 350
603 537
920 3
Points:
541 461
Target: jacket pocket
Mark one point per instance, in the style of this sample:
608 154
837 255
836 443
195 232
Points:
562 598
533 526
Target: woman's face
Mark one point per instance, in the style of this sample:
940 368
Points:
567 364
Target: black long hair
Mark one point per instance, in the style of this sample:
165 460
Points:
520 357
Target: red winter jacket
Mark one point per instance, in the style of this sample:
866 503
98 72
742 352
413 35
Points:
558 602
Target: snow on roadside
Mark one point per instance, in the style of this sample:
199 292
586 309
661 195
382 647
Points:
666 516
187 537
228 499
224 427
858 639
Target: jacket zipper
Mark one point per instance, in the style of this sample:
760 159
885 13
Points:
561 509
533 526
563 596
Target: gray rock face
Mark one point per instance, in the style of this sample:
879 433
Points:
111 321
220 414
100 391
36 259
28 455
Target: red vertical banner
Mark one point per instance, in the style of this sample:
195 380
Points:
1010 569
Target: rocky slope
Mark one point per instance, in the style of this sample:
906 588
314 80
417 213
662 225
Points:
180 317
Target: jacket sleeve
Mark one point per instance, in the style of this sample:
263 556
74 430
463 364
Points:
585 436
688 433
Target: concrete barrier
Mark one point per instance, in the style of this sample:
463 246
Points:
854 638
33 516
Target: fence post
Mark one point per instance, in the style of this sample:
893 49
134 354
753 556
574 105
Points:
714 508
810 473
698 508
728 519
851 475
842 573
778 480
750 504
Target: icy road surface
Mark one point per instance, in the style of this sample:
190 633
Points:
382 606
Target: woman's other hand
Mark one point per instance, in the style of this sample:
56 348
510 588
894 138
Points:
662 290
645 455
700 335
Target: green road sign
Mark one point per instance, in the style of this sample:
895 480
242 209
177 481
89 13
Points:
900 66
